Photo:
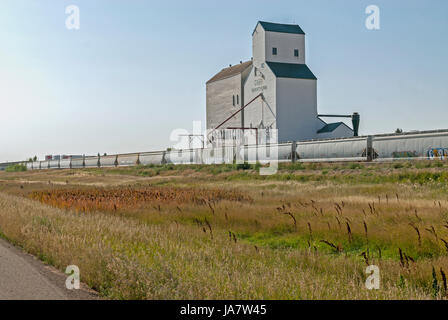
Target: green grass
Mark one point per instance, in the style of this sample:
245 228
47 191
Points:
155 170
292 171
16 168
376 247
421 178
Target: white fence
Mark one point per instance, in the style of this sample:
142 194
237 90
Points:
411 146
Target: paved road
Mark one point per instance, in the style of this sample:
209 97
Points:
23 277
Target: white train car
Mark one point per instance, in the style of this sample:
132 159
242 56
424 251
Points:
44 165
91 162
421 145
219 155
108 161
346 149
155 158
65 164
186 156
77 163
126 160
418 145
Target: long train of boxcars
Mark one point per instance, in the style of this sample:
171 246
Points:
412 146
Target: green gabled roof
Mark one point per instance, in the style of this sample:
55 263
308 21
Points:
280 27
330 127
291 70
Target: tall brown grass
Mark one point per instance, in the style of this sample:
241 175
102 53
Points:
249 239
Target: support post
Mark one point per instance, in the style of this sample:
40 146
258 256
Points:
293 151
369 148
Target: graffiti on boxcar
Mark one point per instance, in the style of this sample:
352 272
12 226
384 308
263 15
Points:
404 154
438 153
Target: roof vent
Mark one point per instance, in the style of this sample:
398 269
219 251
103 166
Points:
241 62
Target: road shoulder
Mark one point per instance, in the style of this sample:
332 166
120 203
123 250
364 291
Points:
24 277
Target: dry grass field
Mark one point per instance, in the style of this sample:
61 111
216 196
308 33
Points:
225 232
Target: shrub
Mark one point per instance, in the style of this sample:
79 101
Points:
297 166
243 166
257 166
398 165
16 168
354 166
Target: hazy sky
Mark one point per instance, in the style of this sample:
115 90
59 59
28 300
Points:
137 69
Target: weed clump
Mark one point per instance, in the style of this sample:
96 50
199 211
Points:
16 168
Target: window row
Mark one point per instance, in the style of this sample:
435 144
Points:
275 51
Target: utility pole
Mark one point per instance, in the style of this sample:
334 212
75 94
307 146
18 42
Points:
191 138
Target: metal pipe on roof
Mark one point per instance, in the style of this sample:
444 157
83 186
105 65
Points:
356 119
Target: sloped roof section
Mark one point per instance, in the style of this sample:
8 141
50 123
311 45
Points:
291 70
280 27
330 127
231 71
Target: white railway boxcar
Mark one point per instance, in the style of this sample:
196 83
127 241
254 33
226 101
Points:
419 145
180 156
108 161
65 164
155 158
424 145
78 163
91 162
127 160
354 149
44 165
53 164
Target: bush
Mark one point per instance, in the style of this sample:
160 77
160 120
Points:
398 165
296 166
16 168
242 166
355 166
